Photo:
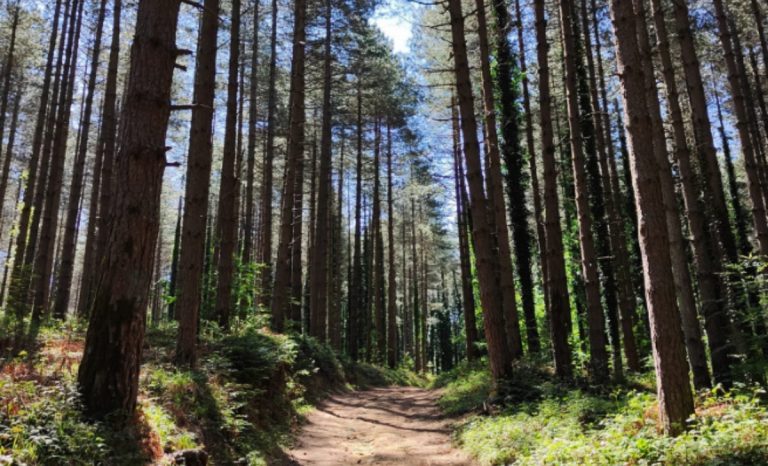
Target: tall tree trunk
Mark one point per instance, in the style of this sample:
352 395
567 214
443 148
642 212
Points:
702 131
627 303
514 160
707 254
379 305
742 125
468 295
686 300
603 209
318 296
43 265
106 152
598 355
253 95
265 235
8 72
538 214
495 184
282 289
557 285
108 377
391 279
227 217
673 386
196 190
69 245
487 257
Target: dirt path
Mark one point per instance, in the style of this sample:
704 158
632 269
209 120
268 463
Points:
384 426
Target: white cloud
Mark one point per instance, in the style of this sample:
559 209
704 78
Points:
396 29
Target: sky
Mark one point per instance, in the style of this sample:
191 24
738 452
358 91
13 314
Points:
395 27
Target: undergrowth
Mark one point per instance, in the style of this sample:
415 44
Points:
564 425
241 405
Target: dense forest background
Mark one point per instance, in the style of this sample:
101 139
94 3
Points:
231 207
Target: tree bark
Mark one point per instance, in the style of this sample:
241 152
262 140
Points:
227 217
69 245
557 285
109 372
495 186
282 289
196 190
487 257
673 386
596 320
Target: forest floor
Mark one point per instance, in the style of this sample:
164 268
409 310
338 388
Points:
382 426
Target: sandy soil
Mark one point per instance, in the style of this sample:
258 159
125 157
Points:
385 426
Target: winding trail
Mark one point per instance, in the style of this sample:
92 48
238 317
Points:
384 426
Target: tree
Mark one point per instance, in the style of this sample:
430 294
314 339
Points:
108 376
192 247
557 285
482 234
597 343
227 218
282 289
69 245
673 385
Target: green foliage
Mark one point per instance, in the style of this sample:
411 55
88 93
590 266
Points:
571 426
43 425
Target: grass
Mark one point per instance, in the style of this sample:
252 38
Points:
242 405
561 425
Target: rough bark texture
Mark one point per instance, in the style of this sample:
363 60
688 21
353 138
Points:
227 218
467 293
596 320
686 299
318 295
557 285
192 250
514 160
673 386
108 378
707 254
487 257
69 245
495 188
281 292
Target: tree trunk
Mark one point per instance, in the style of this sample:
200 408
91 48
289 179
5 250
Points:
557 285
253 95
487 257
391 279
4 99
69 245
673 386
318 296
686 300
596 321
43 264
227 217
379 305
282 289
108 377
532 167
107 135
514 161
495 190
468 295
707 254
196 190
742 124
265 235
